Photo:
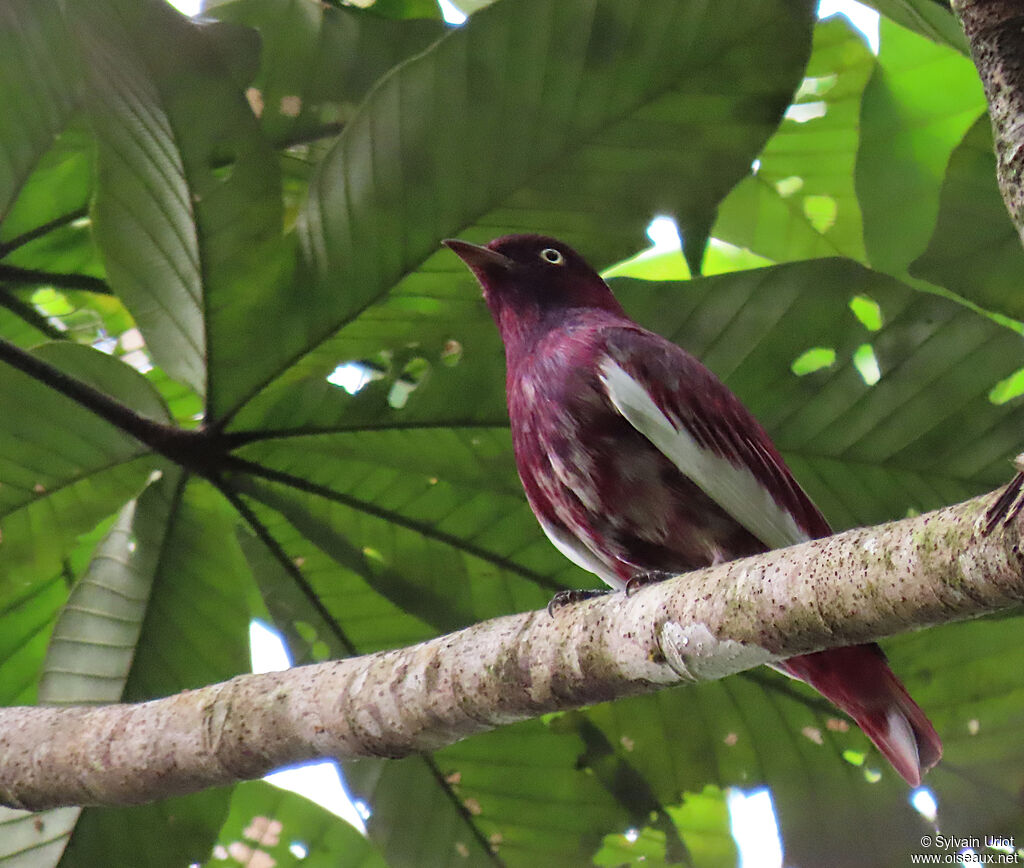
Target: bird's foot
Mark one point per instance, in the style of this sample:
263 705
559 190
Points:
574 595
649 577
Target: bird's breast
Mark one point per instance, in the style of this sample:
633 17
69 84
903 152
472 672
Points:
589 473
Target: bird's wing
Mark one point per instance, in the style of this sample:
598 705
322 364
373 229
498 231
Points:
702 428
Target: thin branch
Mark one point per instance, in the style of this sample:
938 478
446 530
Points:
855 587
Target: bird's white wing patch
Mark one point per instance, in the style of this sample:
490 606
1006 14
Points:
733 488
579 554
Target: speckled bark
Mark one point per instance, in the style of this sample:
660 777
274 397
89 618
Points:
860 585
995 33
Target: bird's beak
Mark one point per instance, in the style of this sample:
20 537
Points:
480 259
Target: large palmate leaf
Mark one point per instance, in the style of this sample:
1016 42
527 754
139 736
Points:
799 202
172 585
930 18
319 61
63 468
908 131
37 76
374 514
188 209
267 823
576 118
974 232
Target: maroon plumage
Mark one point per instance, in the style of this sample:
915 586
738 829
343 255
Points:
637 459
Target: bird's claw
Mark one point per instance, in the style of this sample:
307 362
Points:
574 595
649 577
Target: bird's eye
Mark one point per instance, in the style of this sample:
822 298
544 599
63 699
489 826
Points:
555 257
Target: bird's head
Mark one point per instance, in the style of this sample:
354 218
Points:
529 281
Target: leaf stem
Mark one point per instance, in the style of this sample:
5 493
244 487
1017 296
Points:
32 276
44 229
29 315
194 450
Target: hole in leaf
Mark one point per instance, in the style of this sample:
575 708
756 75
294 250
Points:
411 378
49 302
813 734
291 106
872 776
816 85
352 376
812 360
255 97
866 363
1008 389
806 111
222 169
788 186
854 757
451 355
821 211
866 310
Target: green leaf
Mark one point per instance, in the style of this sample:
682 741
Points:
864 453
975 250
418 818
188 209
583 126
37 88
57 189
319 61
909 128
35 840
62 468
28 619
800 202
94 640
703 823
178 831
927 17
194 633
197 622
406 8
87 661
291 830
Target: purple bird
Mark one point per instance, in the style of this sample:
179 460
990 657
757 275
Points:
637 461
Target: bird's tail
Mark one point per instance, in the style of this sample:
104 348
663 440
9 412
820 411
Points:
860 682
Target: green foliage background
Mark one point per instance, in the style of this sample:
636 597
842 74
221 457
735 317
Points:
202 220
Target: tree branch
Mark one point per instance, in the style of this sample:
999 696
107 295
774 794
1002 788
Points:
993 29
858 586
